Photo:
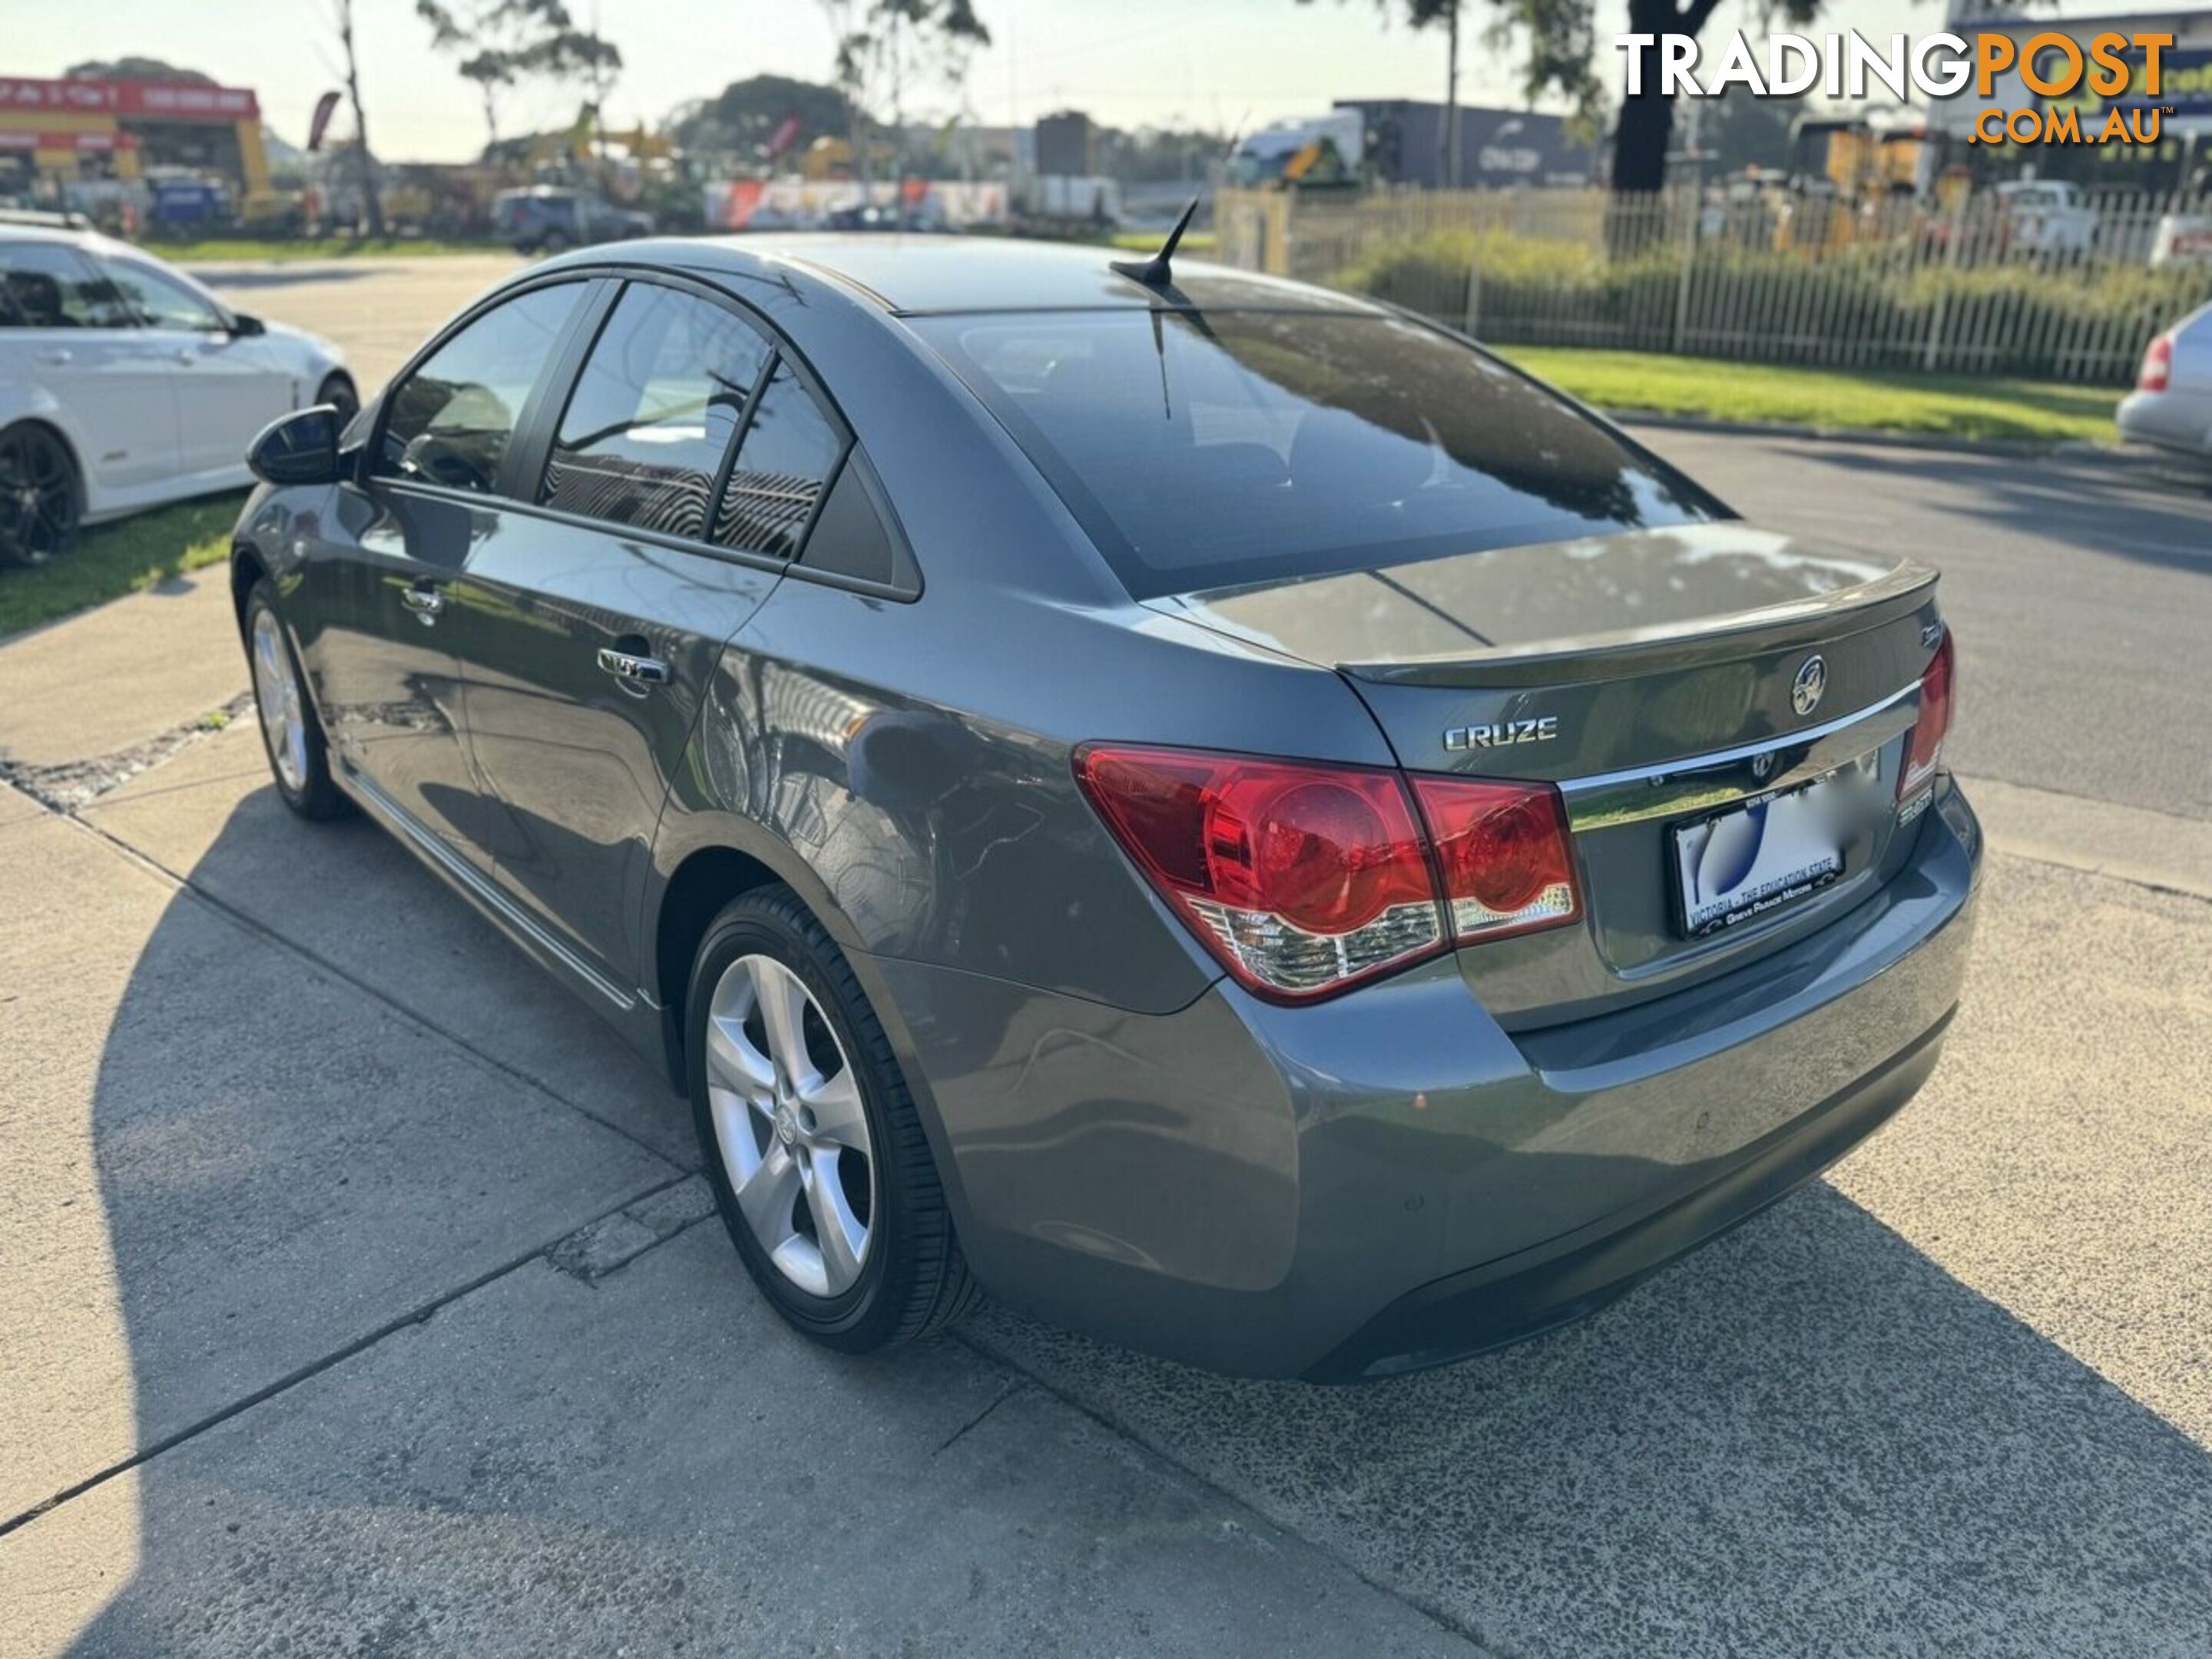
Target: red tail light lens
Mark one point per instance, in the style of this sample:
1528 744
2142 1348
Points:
2157 365
1504 853
1924 751
1303 878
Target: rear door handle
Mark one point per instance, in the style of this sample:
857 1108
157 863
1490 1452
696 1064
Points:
638 671
59 359
187 354
425 600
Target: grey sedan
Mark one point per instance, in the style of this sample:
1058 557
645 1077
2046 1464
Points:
1213 809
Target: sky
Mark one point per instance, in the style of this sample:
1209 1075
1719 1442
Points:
1229 65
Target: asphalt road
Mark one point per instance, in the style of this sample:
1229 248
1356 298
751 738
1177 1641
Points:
360 1295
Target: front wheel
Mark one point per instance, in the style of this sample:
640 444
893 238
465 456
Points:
817 1159
290 734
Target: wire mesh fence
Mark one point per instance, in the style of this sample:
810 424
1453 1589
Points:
2041 280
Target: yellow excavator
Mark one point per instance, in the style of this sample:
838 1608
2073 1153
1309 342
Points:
1845 174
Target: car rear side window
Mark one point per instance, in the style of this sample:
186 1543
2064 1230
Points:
47 285
643 440
1204 451
450 421
790 450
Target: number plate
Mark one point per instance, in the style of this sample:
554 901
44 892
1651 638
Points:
1752 860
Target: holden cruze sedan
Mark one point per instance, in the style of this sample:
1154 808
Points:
1210 808
125 384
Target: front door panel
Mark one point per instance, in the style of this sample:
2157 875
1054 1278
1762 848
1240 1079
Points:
383 664
576 755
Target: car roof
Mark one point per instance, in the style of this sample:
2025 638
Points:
910 274
89 241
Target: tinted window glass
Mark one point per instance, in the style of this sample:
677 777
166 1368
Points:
643 437
789 451
50 286
451 420
162 300
1256 446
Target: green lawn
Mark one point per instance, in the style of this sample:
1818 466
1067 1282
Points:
120 558
219 249
1935 404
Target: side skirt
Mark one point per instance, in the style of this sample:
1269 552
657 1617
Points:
634 1013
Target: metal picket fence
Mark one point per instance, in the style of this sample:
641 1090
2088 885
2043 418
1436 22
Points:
2033 284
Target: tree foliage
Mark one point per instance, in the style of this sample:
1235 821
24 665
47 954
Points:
134 69
742 118
501 44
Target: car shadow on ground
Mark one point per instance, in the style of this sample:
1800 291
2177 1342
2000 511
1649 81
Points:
288 275
1808 1438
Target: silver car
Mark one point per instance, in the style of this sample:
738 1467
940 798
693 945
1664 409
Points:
1213 809
2170 407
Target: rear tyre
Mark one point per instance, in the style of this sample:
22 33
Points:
553 242
810 1137
291 735
41 502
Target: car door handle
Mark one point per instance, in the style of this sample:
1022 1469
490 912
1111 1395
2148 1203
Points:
425 600
638 671
187 354
59 359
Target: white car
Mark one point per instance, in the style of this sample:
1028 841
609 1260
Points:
125 385
2047 215
2171 404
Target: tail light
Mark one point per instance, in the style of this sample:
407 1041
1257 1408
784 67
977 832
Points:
1502 849
1923 750
2157 365
1303 879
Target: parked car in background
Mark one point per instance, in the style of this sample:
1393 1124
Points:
1210 807
125 384
2171 404
552 219
2045 215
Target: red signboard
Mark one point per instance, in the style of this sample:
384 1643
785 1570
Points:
160 101
84 144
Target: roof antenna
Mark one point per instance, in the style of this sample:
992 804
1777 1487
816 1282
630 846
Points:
1154 272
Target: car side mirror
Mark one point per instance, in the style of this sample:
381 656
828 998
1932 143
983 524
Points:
298 448
244 327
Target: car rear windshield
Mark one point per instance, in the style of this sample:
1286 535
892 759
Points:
1231 448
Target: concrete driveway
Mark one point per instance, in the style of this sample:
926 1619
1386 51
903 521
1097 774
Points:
363 1295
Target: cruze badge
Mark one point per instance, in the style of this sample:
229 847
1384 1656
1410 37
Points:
1500 734
1812 680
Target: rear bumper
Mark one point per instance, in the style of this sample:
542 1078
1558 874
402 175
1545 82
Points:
2166 420
1390 1179
1567 1277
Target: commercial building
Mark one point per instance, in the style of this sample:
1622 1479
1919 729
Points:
59 134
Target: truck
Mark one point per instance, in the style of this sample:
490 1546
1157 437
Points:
1307 152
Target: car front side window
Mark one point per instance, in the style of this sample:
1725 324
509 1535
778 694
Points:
654 413
164 302
450 421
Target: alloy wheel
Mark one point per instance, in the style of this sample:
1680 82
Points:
790 1125
37 497
276 693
